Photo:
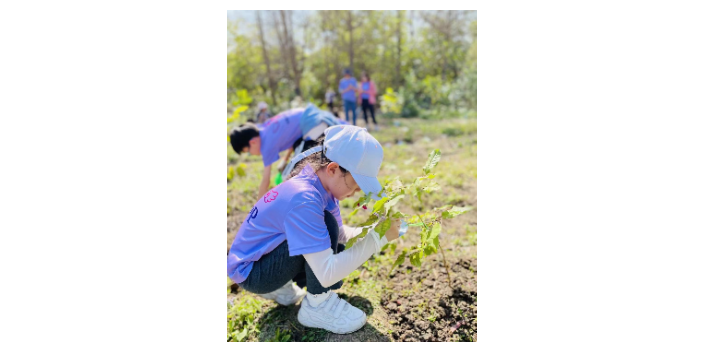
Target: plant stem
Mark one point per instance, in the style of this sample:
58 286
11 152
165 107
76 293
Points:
447 268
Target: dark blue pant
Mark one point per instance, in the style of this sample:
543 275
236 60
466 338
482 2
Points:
351 105
276 268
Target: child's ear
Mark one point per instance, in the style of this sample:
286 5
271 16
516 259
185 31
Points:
332 167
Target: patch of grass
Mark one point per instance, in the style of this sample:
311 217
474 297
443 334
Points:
281 336
312 335
242 324
471 234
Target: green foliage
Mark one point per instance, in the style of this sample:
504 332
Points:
433 160
241 319
391 103
230 173
242 97
281 336
449 214
426 65
383 213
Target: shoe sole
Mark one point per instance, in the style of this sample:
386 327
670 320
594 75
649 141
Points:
295 301
339 332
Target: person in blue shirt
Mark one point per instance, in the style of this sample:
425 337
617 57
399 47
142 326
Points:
285 131
291 234
348 90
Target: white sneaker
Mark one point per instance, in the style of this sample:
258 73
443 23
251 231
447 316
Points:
333 314
289 294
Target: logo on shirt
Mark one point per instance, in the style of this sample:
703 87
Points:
253 214
270 196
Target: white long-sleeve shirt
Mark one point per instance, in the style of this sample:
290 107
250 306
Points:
330 268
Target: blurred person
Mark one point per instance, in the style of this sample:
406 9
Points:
290 238
348 89
263 113
289 130
367 97
329 98
297 102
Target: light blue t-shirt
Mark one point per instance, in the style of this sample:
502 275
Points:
365 86
278 134
349 95
292 211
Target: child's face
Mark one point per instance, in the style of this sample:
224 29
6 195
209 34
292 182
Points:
341 185
254 146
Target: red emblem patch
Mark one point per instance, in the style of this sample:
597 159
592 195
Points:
270 196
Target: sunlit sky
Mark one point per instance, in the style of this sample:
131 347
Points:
249 16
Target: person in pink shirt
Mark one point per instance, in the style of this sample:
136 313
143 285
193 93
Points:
367 98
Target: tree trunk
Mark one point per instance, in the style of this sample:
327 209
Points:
282 48
326 49
272 82
350 29
398 50
291 46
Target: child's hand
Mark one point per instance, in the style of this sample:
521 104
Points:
392 232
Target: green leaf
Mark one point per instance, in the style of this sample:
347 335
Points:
395 184
432 246
392 247
431 187
351 242
434 232
352 213
380 204
392 202
354 239
424 235
241 109
449 214
424 224
433 160
399 215
371 220
415 259
418 181
400 259
240 170
383 227
363 200
241 335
